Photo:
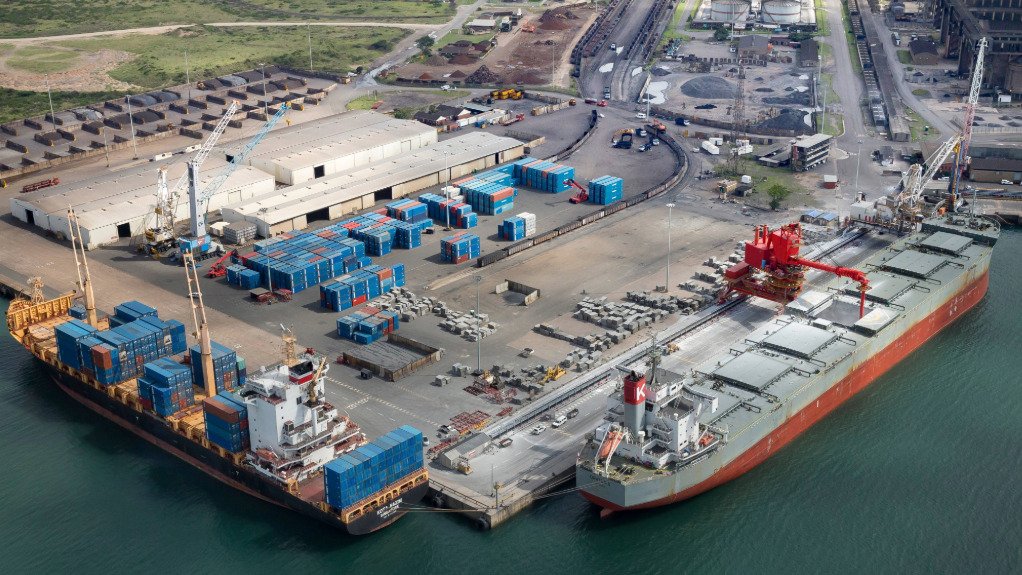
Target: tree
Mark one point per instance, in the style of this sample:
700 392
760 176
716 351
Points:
777 194
721 33
425 44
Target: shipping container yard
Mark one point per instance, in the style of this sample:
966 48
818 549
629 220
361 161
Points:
357 316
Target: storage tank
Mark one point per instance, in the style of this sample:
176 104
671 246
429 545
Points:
782 12
729 10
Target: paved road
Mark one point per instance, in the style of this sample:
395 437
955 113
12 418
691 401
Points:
904 90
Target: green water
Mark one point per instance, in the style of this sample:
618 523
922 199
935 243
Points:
919 473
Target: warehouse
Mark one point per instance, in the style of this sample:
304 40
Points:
305 152
293 208
116 205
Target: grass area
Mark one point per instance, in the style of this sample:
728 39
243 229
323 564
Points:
673 30
853 53
29 18
916 125
366 102
17 104
921 92
822 26
904 56
5 48
764 178
834 123
215 51
455 35
363 102
42 59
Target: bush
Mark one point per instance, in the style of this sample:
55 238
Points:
721 33
777 194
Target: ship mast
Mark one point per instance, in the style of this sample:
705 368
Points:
82 267
36 283
201 326
290 343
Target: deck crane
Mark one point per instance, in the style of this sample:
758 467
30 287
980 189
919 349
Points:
201 333
962 157
82 267
161 236
907 205
198 243
773 270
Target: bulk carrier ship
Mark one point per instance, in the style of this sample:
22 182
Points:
271 435
663 442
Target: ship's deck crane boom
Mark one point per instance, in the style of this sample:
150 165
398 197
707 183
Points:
962 157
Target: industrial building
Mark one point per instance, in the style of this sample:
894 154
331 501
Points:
117 205
305 152
808 152
332 197
963 22
747 13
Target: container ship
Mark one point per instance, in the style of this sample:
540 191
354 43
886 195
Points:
666 441
270 434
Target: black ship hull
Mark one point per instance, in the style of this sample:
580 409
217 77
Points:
243 478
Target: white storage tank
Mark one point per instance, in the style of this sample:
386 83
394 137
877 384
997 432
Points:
782 12
729 10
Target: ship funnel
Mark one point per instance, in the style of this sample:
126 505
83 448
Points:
635 401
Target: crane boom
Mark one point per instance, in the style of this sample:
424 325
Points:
915 181
205 149
962 157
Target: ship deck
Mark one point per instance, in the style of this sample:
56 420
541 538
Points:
758 370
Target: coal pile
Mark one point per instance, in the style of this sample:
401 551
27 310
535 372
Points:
788 119
709 88
482 75
792 99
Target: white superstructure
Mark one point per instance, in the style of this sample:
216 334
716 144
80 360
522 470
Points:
293 431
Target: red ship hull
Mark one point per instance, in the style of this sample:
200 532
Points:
863 375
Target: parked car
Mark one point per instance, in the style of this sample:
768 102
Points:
1006 182
656 141
602 103
538 429
613 46
559 421
644 147
641 115
506 442
573 413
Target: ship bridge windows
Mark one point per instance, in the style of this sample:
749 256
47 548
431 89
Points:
751 371
884 287
799 340
915 264
945 242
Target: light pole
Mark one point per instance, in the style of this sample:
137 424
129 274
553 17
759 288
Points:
265 113
49 96
188 80
131 122
308 27
479 339
858 158
447 196
819 80
667 280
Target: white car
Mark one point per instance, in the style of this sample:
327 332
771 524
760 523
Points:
559 421
1007 182
538 429
445 87
641 115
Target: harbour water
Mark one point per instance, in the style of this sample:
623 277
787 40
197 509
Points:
918 473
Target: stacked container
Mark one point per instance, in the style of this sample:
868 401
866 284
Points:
360 286
166 387
459 248
454 211
487 197
517 227
226 418
128 347
546 176
408 210
606 190
225 367
68 334
130 311
368 326
366 471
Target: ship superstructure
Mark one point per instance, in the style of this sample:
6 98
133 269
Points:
665 442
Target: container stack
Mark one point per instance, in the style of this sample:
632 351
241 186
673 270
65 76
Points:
512 229
359 475
120 353
606 190
547 176
367 326
454 211
129 311
360 286
68 334
226 417
225 367
239 275
239 233
407 210
166 387
459 248
489 198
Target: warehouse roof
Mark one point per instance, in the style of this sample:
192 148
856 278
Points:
314 143
295 201
810 141
120 196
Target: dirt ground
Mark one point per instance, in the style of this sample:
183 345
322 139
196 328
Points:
530 58
88 73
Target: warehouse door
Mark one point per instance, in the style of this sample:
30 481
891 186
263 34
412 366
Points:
317 215
30 217
318 171
124 230
384 194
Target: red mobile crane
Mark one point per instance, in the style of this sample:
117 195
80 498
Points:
775 254
218 269
581 196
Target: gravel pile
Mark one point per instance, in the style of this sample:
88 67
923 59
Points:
709 87
788 119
